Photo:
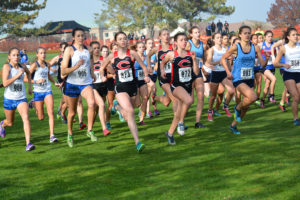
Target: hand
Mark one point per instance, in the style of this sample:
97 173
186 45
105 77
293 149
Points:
60 85
103 79
29 90
57 85
150 71
21 71
163 75
193 55
147 79
267 55
229 75
287 66
80 62
94 77
40 81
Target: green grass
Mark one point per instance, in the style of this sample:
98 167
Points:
262 163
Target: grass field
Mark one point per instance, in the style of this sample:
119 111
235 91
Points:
261 163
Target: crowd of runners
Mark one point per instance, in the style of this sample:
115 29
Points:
118 78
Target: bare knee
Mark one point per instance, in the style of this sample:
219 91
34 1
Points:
253 97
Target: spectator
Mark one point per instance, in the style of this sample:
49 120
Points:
220 26
129 36
208 30
226 25
258 30
24 57
213 27
143 37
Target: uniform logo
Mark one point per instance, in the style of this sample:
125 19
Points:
123 64
97 67
184 63
163 56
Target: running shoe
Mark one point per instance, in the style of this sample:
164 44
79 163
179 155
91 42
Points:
92 135
30 147
171 139
2 130
82 126
180 129
186 127
106 132
156 112
108 126
216 113
30 104
262 103
121 118
113 109
257 102
140 147
237 115
210 116
70 140
149 115
296 122
141 123
153 99
58 115
226 109
64 119
272 99
53 139
234 130
282 107
199 125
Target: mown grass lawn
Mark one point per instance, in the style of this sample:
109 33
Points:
262 163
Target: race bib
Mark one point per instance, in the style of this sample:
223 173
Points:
185 74
270 62
219 67
295 64
125 75
256 62
44 84
199 62
140 74
17 87
168 67
82 73
246 73
98 77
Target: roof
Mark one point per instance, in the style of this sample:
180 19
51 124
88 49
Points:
67 27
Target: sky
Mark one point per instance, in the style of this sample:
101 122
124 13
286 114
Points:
82 11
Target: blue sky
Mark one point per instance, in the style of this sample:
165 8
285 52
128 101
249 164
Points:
83 11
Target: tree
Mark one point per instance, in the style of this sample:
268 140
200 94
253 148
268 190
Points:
135 15
15 14
193 10
284 13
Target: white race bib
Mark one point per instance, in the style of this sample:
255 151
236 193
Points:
185 74
140 74
168 67
199 62
125 75
98 77
81 73
17 87
295 63
246 73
